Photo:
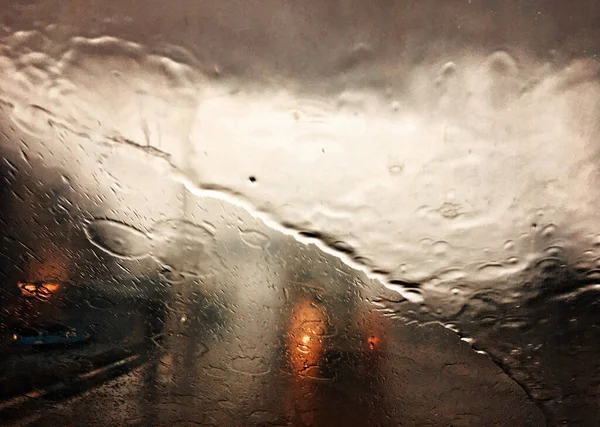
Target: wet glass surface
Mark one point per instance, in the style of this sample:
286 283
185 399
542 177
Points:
299 213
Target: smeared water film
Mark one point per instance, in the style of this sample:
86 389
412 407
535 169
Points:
313 213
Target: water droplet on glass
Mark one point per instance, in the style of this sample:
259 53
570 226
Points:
426 243
548 231
360 54
491 269
448 69
502 63
255 238
467 159
118 239
504 85
447 72
396 169
554 251
440 248
450 210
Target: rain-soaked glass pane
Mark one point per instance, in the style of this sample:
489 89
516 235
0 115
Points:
299 213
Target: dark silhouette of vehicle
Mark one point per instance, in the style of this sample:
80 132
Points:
49 335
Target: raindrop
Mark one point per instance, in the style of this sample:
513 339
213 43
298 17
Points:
396 169
548 231
509 246
503 73
502 63
255 238
359 54
440 248
592 274
426 243
492 268
548 263
457 291
118 239
324 330
303 348
450 210
448 69
209 226
554 251
512 260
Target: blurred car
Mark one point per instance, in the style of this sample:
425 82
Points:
47 336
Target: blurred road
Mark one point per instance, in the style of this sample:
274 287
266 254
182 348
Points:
312 359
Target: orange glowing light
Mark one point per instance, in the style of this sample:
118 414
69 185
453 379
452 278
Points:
27 286
51 287
27 289
373 342
43 290
305 347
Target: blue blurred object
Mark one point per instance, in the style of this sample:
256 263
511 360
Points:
53 335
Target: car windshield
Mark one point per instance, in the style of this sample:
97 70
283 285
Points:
294 213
